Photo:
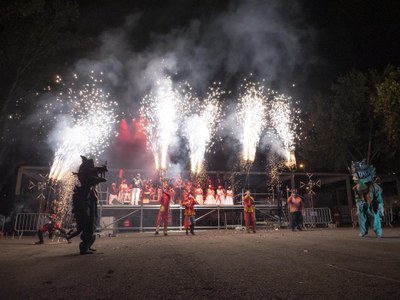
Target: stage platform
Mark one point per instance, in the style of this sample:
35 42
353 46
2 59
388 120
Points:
120 218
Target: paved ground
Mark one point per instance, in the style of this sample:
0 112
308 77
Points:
315 264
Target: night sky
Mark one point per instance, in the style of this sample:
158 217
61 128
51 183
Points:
335 36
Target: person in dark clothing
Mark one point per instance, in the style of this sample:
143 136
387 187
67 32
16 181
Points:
84 203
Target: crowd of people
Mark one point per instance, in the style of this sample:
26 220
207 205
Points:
144 191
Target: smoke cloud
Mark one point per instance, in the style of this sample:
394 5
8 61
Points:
265 38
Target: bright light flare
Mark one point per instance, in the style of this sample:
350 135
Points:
160 112
284 119
85 119
252 117
200 127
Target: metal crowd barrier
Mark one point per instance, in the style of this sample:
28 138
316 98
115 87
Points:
143 217
387 219
29 222
317 216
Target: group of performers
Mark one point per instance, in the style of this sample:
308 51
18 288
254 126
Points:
367 192
189 200
140 191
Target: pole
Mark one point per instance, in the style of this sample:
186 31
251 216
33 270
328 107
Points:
292 182
279 204
141 217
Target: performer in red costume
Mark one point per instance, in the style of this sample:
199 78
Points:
190 213
249 212
51 227
164 198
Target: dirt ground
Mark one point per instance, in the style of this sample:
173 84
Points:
224 264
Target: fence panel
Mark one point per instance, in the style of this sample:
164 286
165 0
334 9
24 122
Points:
386 219
29 222
317 216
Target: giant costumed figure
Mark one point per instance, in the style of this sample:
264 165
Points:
368 196
84 202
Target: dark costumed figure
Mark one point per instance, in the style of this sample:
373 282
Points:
84 202
368 196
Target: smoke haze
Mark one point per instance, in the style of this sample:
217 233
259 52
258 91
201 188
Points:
265 38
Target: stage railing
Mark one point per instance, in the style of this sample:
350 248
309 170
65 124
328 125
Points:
117 218
143 217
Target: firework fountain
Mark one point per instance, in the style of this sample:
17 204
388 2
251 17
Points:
85 118
200 127
251 115
161 111
284 119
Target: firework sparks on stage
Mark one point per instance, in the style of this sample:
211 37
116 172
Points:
284 119
200 127
274 166
252 112
160 112
87 117
65 188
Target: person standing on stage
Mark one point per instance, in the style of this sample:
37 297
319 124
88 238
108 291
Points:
198 192
296 207
229 196
137 184
190 213
220 198
124 193
179 187
113 194
249 211
164 198
210 199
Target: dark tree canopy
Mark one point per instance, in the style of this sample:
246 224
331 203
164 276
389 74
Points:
357 120
37 37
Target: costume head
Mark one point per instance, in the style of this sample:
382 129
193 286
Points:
88 174
362 174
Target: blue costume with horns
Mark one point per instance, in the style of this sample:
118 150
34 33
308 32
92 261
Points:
368 196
